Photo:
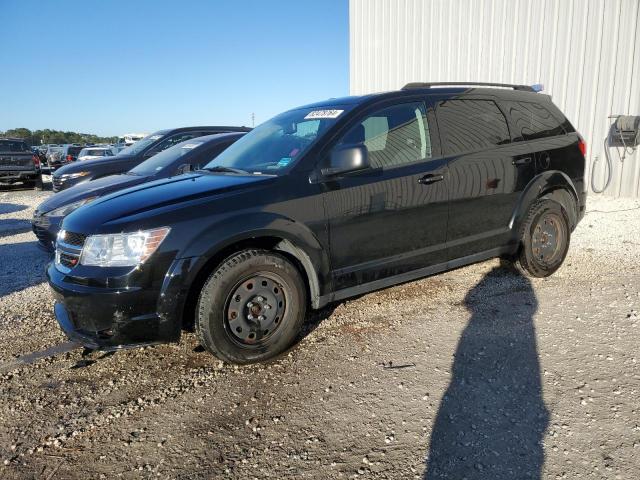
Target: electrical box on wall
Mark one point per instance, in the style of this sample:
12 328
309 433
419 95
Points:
625 132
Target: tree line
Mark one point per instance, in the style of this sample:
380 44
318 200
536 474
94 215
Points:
39 137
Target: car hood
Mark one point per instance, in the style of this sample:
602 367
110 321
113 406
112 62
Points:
82 165
95 188
134 206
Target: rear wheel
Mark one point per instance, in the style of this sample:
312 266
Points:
251 308
545 238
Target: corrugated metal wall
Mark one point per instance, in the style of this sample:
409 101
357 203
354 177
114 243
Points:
585 52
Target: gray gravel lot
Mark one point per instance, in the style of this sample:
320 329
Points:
476 373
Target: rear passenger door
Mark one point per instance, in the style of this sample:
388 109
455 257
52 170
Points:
487 172
392 218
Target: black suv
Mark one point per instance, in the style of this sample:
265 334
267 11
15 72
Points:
318 204
131 156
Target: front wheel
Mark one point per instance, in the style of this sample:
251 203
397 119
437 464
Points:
545 238
251 308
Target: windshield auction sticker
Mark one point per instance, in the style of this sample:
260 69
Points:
323 114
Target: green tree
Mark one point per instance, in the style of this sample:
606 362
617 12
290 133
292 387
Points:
39 137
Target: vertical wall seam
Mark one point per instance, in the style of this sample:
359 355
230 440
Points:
584 54
592 116
612 86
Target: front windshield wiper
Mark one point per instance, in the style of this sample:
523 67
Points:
220 168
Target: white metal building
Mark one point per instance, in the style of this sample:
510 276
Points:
585 52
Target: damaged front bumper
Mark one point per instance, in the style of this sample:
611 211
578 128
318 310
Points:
100 316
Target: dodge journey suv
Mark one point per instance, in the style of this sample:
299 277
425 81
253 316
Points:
321 203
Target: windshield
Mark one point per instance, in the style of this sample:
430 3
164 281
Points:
165 158
277 143
142 144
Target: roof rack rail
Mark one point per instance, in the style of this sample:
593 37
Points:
525 88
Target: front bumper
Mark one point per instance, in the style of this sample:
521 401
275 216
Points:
46 230
9 176
58 183
100 316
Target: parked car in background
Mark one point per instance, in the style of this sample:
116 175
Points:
70 152
189 155
129 139
54 157
131 156
93 153
322 203
18 163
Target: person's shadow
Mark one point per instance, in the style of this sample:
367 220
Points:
492 418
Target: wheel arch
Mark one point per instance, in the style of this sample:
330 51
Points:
553 184
310 267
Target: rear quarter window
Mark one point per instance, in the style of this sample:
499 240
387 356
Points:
532 121
471 125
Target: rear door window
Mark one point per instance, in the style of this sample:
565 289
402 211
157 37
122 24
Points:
393 135
471 125
531 121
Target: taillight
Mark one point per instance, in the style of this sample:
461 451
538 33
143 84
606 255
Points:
69 158
582 145
36 160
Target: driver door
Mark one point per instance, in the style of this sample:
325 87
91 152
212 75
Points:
390 219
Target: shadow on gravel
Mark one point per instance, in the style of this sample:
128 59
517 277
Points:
22 266
11 208
13 226
492 418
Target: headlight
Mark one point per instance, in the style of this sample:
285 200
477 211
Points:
122 249
67 209
69 176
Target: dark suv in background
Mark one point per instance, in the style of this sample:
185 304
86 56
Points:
18 163
181 158
318 204
131 156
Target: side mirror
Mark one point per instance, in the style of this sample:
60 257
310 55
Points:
350 158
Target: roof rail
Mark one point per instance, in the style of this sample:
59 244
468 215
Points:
525 88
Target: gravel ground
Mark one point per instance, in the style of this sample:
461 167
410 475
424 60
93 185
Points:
476 373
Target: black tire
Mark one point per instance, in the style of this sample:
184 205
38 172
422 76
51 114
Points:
37 183
232 319
545 237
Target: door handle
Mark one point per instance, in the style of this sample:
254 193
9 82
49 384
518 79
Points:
521 161
431 178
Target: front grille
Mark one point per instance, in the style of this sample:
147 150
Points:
41 233
56 182
67 260
75 239
68 250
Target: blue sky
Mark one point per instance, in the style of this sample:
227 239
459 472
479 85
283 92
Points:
112 67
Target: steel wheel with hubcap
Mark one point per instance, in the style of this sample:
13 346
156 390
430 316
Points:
545 237
252 307
255 308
